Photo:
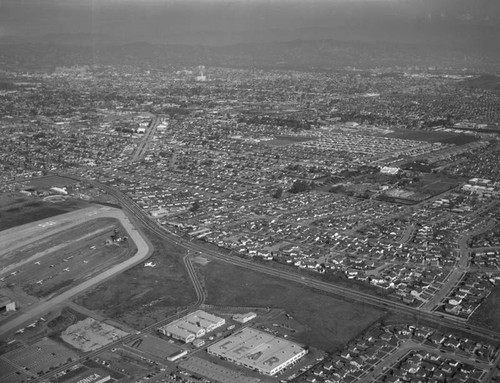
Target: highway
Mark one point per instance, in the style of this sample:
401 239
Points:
144 144
340 291
193 248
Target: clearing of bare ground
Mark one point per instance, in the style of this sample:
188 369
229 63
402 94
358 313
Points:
144 295
329 322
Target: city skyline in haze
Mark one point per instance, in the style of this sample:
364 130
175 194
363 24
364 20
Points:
220 22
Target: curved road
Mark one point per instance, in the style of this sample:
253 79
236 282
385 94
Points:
340 291
144 250
200 291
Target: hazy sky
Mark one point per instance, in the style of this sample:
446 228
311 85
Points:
228 21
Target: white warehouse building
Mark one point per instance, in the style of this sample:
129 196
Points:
192 326
258 351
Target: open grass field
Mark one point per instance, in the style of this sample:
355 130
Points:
437 184
61 322
144 295
19 210
50 181
329 322
54 263
432 136
429 185
488 312
287 140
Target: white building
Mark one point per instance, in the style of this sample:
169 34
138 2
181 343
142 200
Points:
192 326
258 351
7 304
244 318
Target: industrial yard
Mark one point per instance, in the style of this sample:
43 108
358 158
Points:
90 335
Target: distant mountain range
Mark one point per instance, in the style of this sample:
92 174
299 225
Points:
325 54
482 35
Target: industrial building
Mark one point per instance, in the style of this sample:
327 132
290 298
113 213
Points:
177 355
244 318
192 326
6 304
258 351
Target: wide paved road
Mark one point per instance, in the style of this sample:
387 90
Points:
142 148
304 279
144 250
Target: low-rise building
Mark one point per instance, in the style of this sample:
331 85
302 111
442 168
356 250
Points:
192 326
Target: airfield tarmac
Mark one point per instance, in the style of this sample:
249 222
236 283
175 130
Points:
28 234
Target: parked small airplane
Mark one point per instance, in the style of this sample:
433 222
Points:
150 264
66 269
40 281
37 262
20 331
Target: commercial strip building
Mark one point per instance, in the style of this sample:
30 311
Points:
192 326
91 376
258 351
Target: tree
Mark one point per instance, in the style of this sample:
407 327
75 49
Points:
195 206
278 193
299 186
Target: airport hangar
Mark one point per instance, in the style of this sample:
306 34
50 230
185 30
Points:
258 351
192 326
6 304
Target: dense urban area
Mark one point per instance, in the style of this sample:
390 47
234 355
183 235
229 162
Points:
374 194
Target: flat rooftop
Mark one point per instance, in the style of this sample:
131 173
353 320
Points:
256 349
199 318
215 372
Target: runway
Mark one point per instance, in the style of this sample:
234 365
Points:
25 234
